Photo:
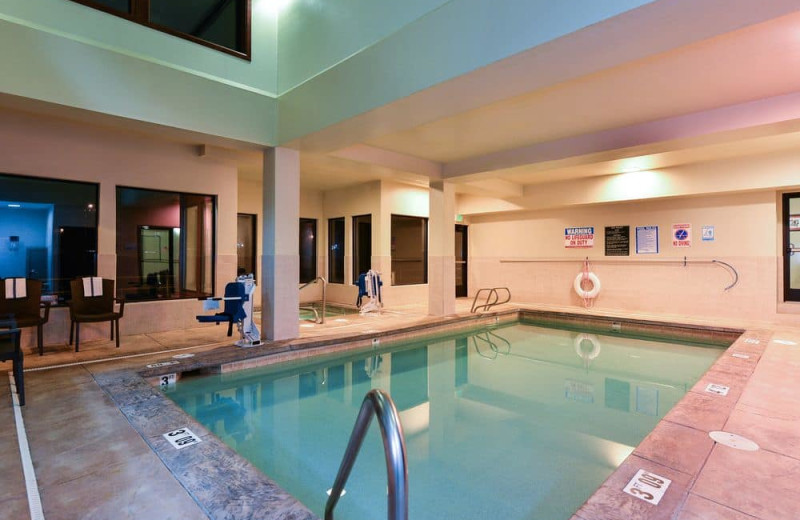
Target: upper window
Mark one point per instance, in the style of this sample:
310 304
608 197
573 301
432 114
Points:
221 24
165 244
48 231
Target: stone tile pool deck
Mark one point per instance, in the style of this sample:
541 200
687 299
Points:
94 429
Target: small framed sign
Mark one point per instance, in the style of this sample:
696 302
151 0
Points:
794 222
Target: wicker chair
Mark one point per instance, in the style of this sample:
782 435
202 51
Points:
27 311
93 309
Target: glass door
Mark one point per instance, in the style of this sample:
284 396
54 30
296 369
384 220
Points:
791 246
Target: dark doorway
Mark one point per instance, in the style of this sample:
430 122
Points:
461 260
362 245
791 247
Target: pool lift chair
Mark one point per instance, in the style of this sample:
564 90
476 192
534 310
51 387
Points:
238 309
369 285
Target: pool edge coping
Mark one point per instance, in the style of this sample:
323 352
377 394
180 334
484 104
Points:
151 413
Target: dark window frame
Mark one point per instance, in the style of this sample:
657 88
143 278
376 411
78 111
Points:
139 12
789 294
182 261
306 279
425 249
254 231
59 288
357 260
331 267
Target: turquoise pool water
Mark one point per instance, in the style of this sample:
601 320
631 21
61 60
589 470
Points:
517 422
331 311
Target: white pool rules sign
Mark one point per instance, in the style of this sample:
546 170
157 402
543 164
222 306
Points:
578 237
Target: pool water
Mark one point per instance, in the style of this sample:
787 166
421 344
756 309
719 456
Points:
517 422
331 311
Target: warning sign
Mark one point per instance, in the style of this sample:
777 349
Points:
681 235
579 237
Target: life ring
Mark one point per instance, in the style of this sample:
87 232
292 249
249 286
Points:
593 341
593 292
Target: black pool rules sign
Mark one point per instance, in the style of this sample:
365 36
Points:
618 240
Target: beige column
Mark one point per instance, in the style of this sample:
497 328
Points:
441 250
280 263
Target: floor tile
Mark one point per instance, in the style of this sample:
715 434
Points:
777 434
761 483
140 488
699 508
611 503
676 446
701 412
15 508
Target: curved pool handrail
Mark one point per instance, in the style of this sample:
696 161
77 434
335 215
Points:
379 403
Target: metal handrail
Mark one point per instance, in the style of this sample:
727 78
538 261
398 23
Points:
324 298
492 292
379 403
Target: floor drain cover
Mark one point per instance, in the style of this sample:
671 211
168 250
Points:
734 441
183 356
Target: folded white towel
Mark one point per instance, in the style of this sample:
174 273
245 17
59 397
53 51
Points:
15 288
92 286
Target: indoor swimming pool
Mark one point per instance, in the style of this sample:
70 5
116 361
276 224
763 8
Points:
515 422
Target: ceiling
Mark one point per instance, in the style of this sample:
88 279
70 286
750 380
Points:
735 94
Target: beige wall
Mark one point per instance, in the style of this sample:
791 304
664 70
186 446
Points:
525 252
52 148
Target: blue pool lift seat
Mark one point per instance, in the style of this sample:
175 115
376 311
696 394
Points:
233 311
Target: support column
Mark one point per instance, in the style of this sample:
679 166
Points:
441 249
280 263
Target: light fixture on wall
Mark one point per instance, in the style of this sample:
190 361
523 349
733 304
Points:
13 243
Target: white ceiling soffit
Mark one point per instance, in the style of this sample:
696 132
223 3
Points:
570 117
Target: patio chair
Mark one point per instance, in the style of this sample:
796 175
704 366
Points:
92 302
10 351
25 306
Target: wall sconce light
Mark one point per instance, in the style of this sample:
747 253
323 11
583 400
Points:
13 242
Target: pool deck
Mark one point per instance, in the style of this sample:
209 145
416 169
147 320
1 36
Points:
94 459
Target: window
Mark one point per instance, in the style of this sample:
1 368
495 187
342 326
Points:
221 24
409 250
362 245
48 231
336 250
246 244
308 249
165 244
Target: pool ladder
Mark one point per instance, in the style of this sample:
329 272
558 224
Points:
492 298
379 403
317 318
486 337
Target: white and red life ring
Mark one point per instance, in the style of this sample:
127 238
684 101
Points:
583 293
581 346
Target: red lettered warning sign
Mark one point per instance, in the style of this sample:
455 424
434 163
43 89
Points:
579 237
681 235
